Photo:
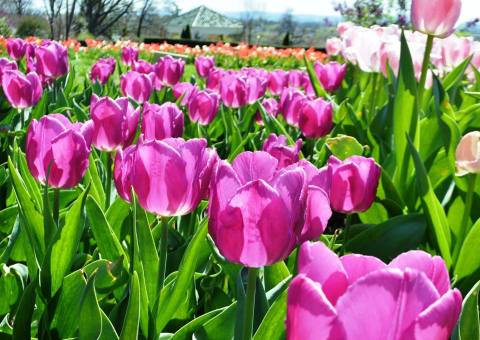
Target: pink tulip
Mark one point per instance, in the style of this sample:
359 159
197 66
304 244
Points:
52 60
214 79
360 297
203 65
334 46
316 118
296 78
271 107
291 102
21 90
351 184
129 55
277 81
171 176
203 106
142 66
55 144
115 122
122 172
468 154
437 18
136 85
162 121
16 48
102 70
187 90
5 65
169 70
255 213
234 91
277 147
330 75
256 88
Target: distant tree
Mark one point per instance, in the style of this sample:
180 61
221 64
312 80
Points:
288 25
286 40
250 17
20 7
169 8
52 9
374 12
101 15
69 15
186 33
146 8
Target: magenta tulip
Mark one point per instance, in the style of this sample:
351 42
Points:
291 103
436 18
271 107
203 65
171 176
360 297
16 48
234 91
162 121
184 90
169 70
51 60
277 147
277 81
137 86
330 75
316 118
214 79
102 70
256 88
295 78
115 122
142 66
256 213
6 65
122 172
55 144
21 90
203 106
129 55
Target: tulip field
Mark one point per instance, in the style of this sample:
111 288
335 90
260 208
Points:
155 191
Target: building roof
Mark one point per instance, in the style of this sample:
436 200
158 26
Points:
203 17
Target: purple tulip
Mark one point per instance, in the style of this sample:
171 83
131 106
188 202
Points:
360 297
214 79
115 122
316 118
137 86
30 50
102 70
203 107
16 48
330 75
203 65
277 81
256 213
5 65
187 90
142 66
55 144
234 91
129 55
162 121
296 78
51 60
271 107
291 103
277 147
256 88
171 176
122 172
352 183
21 90
169 70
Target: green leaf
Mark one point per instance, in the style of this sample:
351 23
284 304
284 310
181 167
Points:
273 325
468 260
317 86
186 332
93 176
23 316
468 325
108 331
344 146
432 208
275 274
220 327
116 214
455 76
132 315
90 318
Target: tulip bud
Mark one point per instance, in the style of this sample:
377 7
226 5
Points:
122 172
137 86
330 75
203 107
271 107
169 70
277 147
277 81
214 78
129 55
162 121
102 70
203 65
291 103
115 122
52 60
316 118
468 154
142 66
436 18
16 48
56 145
234 92
21 90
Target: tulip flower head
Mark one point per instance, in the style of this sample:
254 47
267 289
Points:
436 18
203 65
16 48
51 60
7 65
291 102
330 75
277 147
162 121
129 55
102 70
187 90
468 154
122 172
203 106
315 118
142 66
22 91
55 144
335 298
137 86
169 70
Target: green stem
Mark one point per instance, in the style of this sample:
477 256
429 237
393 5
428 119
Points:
472 180
56 205
108 186
162 248
373 101
250 303
423 76
348 223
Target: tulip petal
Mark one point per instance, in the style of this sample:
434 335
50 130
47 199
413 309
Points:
358 266
318 212
251 166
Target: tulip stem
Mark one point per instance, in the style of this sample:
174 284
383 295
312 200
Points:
472 180
423 76
250 303
56 205
108 186
162 248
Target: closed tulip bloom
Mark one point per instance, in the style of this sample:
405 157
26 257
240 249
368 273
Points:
6 65
102 70
169 70
234 91
162 121
467 156
171 176
21 90
142 66
316 118
16 48
203 107
330 75
122 172
52 60
291 103
54 142
256 88
129 55
335 298
437 18
256 213
295 78
277 81
271 107
187 90
277 147
214 79
115 122
137 86
203 65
